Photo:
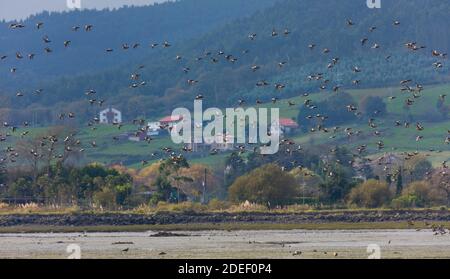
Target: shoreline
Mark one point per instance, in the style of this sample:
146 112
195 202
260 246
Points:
193 221
374 226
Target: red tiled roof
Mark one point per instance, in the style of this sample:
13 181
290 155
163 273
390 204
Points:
174 118
287 122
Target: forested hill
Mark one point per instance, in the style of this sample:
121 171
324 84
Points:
220 59
176 21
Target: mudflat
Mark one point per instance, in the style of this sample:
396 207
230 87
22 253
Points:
259 244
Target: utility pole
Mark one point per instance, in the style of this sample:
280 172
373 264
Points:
303 193
204 188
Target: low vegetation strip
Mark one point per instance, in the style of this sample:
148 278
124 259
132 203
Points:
115 219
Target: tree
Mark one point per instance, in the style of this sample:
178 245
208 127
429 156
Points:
69 185
235 167
372 106
417 168
122 193
337 182
307 182
30 155
443 109
399 185
421 194
111 196
334 108
168 181
265 185
22 189
106 197
147 176
370 194
440 178
193 186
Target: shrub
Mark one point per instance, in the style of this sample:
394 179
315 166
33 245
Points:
404 201
265 185
372 106
180 207
370 194
22 188
308 182
338 182
122 193
216 204
422 194
248 207
156 198
417 168
106 197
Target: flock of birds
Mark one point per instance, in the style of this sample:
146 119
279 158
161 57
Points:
71 144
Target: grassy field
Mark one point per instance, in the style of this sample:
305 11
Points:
423 105
396 139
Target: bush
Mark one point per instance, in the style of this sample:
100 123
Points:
156 198
123 192
404 201
180 207
308 183
338 182
372 106
22 188
248 207
370 194
418 168
421 194
106 197
216 204
267 184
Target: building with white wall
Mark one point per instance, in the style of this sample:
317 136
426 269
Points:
110 116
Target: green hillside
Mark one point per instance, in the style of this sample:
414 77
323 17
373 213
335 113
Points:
396 139
220 58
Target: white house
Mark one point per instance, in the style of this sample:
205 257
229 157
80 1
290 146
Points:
153 128
110 116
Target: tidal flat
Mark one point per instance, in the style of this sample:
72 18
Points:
225 244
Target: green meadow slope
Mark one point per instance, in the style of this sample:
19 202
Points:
396 139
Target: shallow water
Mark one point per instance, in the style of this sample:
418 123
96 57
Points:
230 244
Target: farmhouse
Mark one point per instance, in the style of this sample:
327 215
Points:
170 121
164 124
137 137
285 126
110 116
219 142
288 126
153 129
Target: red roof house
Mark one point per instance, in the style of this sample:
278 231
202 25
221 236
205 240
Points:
288 123
171 119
